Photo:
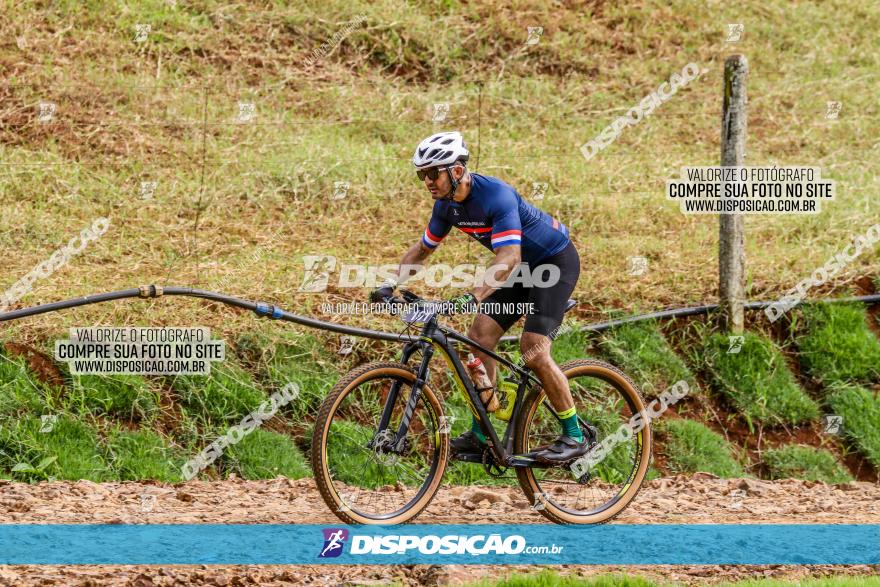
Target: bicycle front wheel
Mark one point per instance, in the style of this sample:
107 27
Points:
606 399
366 475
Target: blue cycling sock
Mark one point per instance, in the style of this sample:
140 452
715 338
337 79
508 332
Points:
570 425
475 428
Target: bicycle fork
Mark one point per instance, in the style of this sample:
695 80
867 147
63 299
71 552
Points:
421 378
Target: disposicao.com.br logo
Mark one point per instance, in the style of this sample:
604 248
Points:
451 544
334 542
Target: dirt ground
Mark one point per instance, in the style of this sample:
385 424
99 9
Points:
697 499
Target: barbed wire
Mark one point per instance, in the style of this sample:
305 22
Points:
302 81
575 154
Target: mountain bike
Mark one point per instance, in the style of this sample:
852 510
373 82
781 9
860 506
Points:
380 444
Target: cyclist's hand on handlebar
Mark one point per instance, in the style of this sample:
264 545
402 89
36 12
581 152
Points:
383 293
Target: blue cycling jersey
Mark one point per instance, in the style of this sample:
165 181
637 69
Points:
496 215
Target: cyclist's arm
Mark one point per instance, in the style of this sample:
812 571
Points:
506 241
413 260
507 258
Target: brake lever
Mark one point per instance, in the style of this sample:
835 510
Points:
394 304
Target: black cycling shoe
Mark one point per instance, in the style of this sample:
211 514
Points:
561 451
467 443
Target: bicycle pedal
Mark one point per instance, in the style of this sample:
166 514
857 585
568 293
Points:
525 461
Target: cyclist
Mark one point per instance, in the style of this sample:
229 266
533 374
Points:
493 213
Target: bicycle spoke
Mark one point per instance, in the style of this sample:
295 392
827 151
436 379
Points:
601 405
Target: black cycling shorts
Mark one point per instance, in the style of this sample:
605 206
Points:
548 302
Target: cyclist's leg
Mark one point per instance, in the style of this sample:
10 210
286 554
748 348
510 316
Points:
487 332
541 326
492 321
488 327
536 348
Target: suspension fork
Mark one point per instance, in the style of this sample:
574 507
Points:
408 350
421 379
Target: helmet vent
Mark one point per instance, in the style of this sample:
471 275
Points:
439 149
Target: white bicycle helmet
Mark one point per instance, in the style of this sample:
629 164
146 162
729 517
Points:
443 148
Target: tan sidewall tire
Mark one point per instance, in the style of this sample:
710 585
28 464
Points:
319 442
527 479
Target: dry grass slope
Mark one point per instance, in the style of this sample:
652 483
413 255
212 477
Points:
164 110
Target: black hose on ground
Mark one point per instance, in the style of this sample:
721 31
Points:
274 312
699 310
154 291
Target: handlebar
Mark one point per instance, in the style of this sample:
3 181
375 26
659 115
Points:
411 298
432 307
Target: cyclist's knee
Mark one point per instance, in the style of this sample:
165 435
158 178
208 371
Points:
483 334
535 349
482 338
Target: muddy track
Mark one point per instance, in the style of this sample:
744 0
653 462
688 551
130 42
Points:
697 499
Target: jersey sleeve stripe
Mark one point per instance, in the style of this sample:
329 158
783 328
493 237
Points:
503 241
431 236
430 240
515 232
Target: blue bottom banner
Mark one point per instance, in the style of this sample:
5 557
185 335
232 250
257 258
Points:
618 544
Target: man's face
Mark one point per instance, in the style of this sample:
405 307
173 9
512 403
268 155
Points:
440 187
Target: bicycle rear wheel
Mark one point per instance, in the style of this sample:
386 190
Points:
606 399
364 474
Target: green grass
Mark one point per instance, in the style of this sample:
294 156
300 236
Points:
691 447
361 471
459 473
223 398
549 578
835 344
72 444
841 581
382 81
804 462
127 397
643 353
571 344
860 409
554 579
302 359
142 454
757 380
264 454
20 392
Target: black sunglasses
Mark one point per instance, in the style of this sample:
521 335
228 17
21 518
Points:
431 173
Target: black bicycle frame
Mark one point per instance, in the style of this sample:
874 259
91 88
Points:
433 334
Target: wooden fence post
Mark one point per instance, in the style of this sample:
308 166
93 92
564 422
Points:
731 251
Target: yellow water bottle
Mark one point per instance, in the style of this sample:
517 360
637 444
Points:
508 391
